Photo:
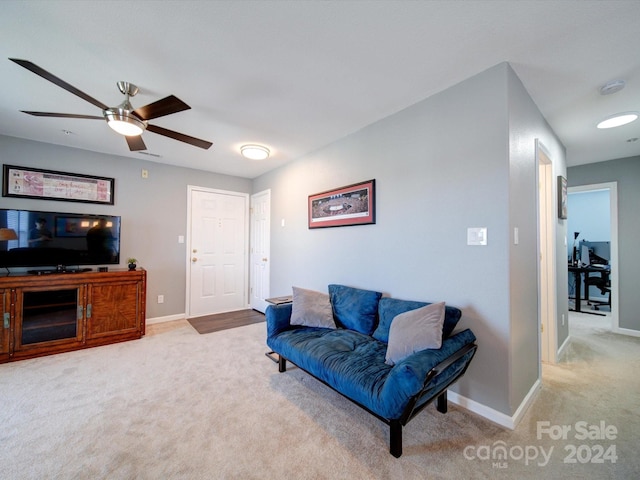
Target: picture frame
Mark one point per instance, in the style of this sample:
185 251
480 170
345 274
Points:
562 197
26 182
345 206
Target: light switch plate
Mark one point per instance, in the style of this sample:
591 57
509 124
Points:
477 236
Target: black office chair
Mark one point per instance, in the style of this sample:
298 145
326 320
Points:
603 283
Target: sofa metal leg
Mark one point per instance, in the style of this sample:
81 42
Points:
395 438
282 364
442 402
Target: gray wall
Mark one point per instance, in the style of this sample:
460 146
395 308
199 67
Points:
153 210
626 172
527 123
445 164
589 214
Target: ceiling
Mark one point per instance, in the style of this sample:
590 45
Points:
297 75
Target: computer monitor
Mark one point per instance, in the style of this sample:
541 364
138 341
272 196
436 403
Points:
584 255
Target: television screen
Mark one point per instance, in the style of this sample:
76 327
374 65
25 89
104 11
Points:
46 239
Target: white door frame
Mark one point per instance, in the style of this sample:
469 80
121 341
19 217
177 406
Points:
612 187
547 275
190 189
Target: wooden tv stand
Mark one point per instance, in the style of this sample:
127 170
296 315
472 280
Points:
59 312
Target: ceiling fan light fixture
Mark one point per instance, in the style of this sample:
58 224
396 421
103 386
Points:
124 123
255 152
618 120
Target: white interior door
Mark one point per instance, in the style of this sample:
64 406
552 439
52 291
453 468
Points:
217 264
260 249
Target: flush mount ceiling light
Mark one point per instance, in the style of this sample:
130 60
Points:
618 120
254 152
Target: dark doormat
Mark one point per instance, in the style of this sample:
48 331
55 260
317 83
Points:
223 321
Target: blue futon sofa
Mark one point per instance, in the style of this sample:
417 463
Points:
360 344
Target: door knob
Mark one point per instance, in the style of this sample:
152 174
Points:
194 260
195 250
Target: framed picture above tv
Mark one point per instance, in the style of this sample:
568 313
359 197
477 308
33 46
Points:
28 182
350 205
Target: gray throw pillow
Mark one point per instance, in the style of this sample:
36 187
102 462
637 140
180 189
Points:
415 330
311 309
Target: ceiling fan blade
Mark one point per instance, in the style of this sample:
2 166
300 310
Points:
196 142
63 115
136 143
59 82
162 107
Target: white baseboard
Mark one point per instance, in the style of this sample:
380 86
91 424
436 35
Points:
489 413
168 318
627 331
564 345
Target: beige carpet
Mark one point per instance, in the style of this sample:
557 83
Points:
179 405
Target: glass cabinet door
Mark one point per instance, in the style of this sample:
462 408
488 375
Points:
5 321
50 315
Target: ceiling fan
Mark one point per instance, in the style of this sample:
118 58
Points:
124 119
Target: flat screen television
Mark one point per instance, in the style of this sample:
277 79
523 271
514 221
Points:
62 240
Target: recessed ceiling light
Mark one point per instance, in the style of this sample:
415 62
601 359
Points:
618 120
612 87
254 152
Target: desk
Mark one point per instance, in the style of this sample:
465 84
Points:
577 275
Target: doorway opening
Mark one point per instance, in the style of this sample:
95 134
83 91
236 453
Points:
547 297
586 231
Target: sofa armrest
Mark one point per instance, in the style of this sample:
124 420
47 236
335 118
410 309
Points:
413 376
278 318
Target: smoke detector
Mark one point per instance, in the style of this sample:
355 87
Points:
612 87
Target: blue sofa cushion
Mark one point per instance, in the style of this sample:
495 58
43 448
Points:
353 364
390 307
354 308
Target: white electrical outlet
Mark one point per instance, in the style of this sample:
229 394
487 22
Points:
160 298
